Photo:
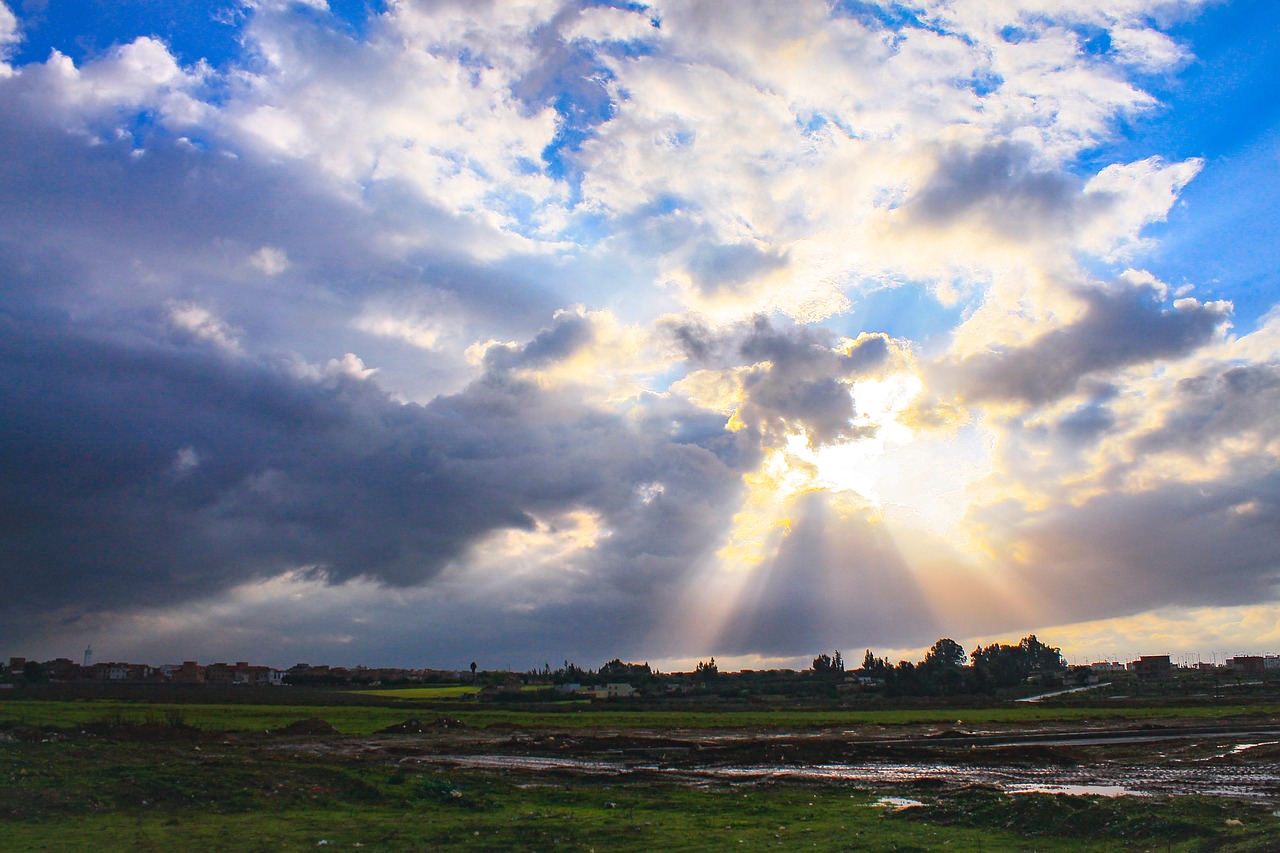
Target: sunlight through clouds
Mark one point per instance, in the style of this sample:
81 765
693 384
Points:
660 330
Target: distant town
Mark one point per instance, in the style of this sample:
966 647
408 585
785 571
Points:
945 670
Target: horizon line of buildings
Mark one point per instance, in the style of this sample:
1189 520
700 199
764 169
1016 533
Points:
242 672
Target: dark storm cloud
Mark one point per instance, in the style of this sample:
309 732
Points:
569 333
719 266
798 374
1001 183
139 472
1217 406
1086 423
1120 327
1189 544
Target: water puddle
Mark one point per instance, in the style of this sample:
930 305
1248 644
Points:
1262 782
1043 696
1076 790
1245 747
897 804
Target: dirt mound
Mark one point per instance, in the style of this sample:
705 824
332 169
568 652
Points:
13 731
416 726
309 726
408 727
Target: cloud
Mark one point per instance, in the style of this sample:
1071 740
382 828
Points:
270 260
1121 553
281 471
1002 181
1121 326
9 35
789 378
201 323
516 327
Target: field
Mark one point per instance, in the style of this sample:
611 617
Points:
115 774
366 719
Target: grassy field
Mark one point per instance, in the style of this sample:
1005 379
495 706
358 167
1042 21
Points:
456 691
200 794
350 719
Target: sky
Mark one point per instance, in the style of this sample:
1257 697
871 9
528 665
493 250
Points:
422 332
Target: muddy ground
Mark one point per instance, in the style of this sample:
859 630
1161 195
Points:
1235 760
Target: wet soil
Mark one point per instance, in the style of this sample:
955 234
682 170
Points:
1105 758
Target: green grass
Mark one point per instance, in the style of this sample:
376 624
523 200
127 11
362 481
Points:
451 692
83 793
354 719
455 691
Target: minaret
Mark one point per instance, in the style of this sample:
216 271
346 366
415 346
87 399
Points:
88 656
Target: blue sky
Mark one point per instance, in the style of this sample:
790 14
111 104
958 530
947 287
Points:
522 332
1220 108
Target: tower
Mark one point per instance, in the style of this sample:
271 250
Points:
88 656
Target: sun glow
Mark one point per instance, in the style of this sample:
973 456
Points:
849 466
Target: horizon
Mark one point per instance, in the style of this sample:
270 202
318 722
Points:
578 330
800 664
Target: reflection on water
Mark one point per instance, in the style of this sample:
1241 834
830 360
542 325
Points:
1245 747
1077 790
1254 782
897 803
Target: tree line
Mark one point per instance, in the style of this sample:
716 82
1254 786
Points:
947 670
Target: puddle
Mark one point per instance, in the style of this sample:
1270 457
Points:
897 803
1245 747
1043 696
1106 781
1077 790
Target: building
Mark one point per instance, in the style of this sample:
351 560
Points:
1247 663
65 669
613 691
187 672
116 671
1107 666
1153 668
242 673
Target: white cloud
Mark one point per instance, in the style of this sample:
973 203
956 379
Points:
202 323
270 260
422 332
185 461
103 94
1129 197
603 24
349 366
1145 49
10 35
404 107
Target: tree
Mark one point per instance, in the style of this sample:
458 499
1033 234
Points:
872 666
825 664
1039 657
945 654
706 670
999 666
617 669
940 671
